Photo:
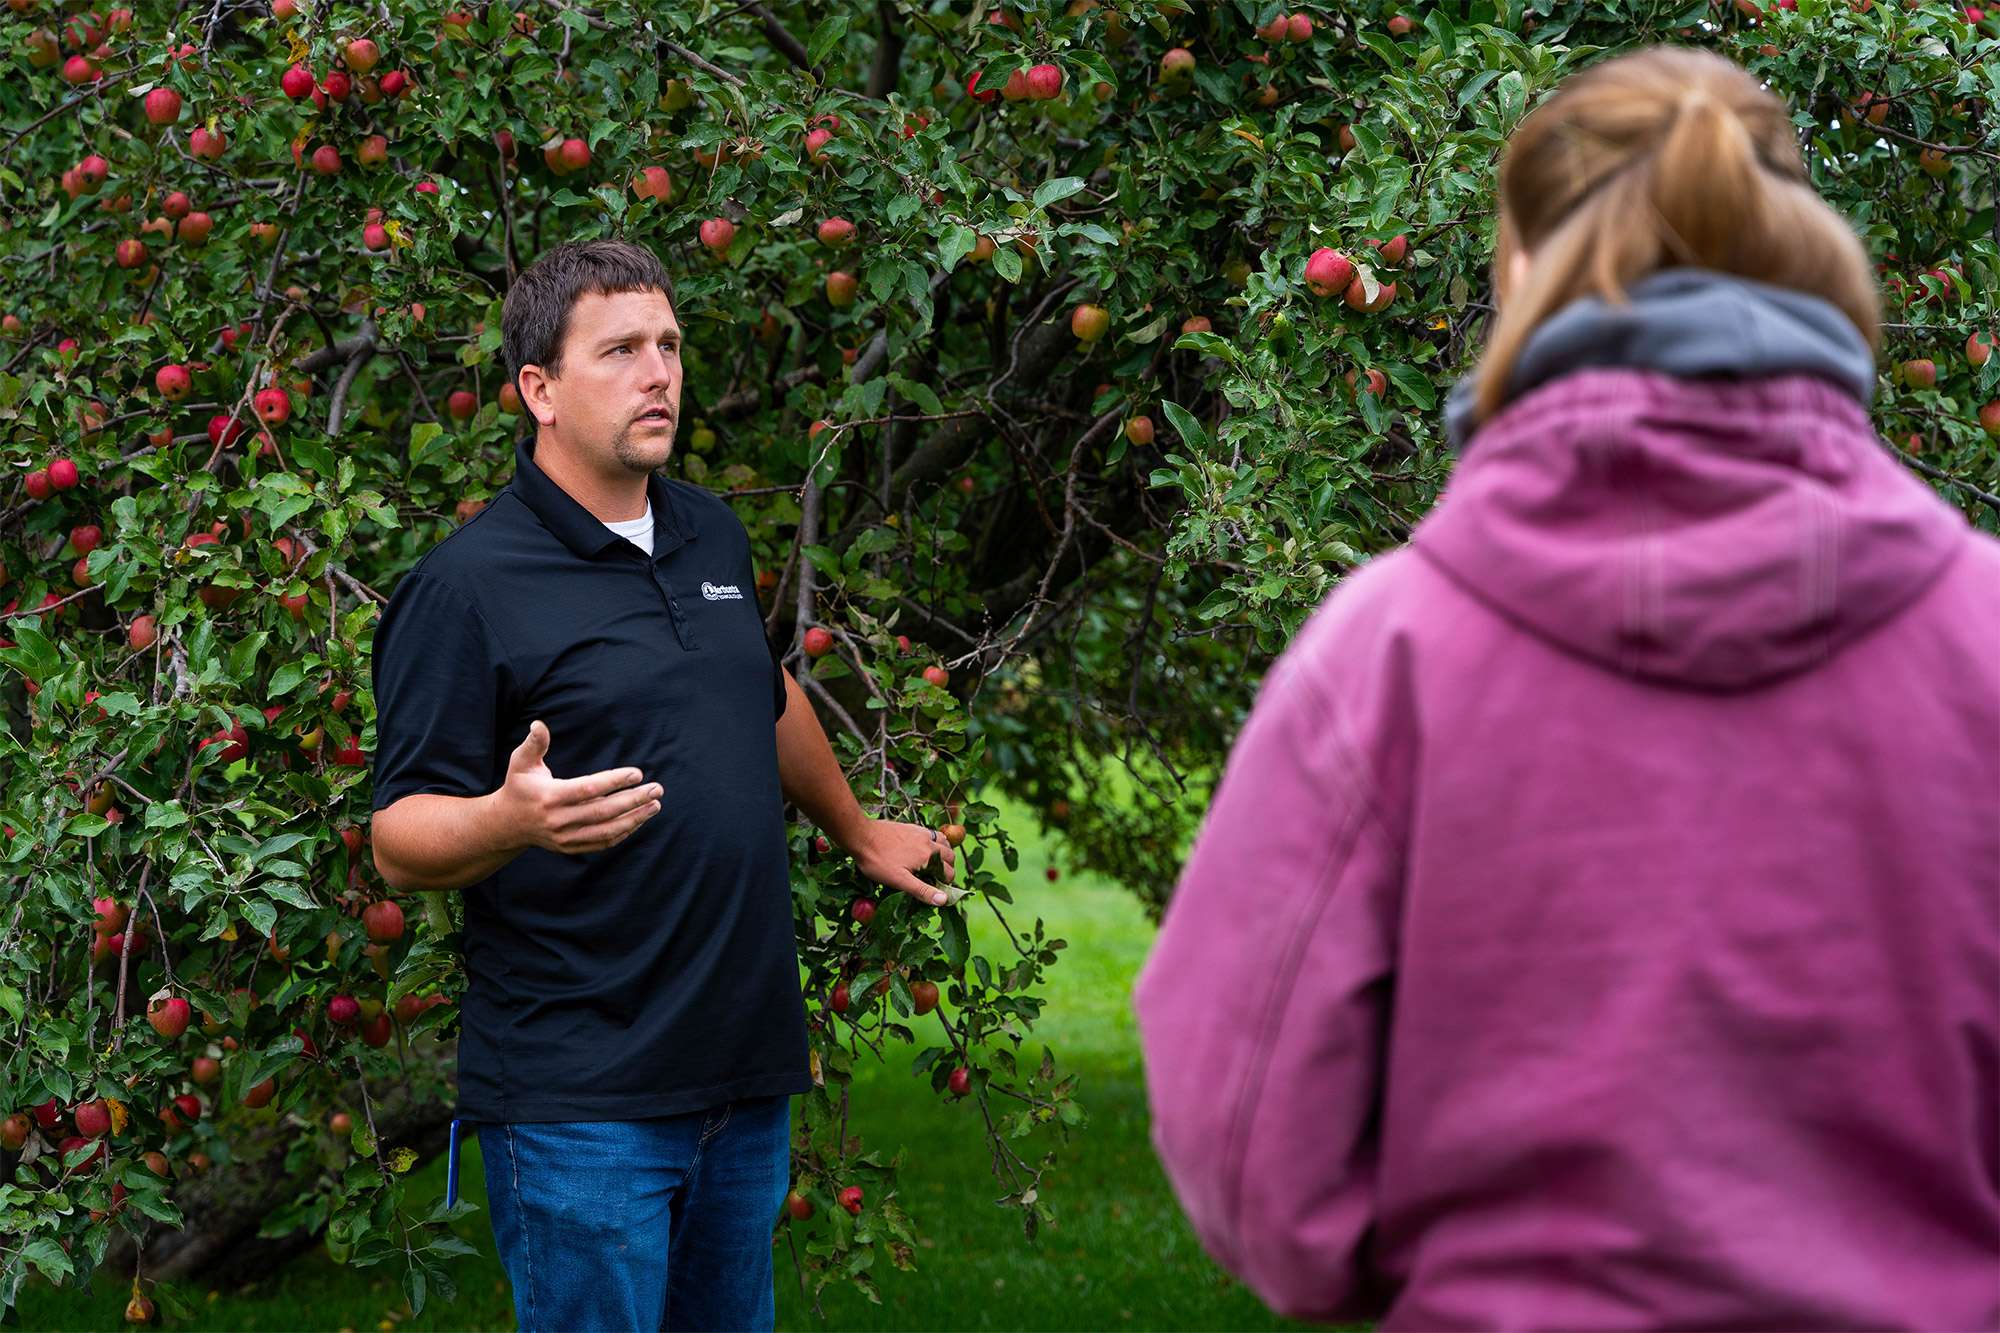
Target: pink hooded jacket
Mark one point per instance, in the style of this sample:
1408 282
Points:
1598 921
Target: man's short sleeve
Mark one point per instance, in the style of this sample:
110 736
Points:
440 679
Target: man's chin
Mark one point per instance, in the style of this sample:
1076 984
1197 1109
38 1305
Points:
644 450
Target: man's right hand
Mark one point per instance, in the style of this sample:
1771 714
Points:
586 814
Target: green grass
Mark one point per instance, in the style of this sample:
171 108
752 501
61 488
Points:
1120 1256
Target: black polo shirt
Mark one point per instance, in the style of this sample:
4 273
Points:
661 975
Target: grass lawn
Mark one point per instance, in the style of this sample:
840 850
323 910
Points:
1121 1256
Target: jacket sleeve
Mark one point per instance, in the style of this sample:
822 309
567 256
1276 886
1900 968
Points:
441 683
1263 1007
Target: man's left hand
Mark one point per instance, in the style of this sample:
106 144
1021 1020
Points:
887 852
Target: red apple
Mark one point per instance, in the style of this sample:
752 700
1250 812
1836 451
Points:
838 1000
1989 418
960 1081
816 142
163 106
510 399
194 229
937 675
653 183
85 538
169 1017
142 632
1089 322
797 1206
373 151
273 406
37 484
461 404
574 154
14 1131
1978 348
342 1010
384 921
1400 25
78 70
205 1070
841 288
924 996
62 474
260 1095
374 236
836 232
1299 28
173 382
297 82
1328 272
130 253
862 910
93 1119
378 1031
206 144
850 1199
717 233
1177 65
1045 82
818 643
1919 374
326 159
395 83
361 55
1139 430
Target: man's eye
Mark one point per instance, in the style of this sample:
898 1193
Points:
670 347
621 348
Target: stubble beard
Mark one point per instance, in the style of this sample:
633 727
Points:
646 453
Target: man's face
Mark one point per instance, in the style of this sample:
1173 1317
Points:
618 398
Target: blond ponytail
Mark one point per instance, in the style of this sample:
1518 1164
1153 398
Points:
1664 157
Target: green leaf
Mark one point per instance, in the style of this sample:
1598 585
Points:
260 914
1055 191
33 655
1007 263
165 814
45 1254
1188 428
277 846
954 937
825 37
274 1058
427 442
955 245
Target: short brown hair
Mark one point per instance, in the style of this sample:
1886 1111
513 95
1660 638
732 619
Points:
1661 157
535 319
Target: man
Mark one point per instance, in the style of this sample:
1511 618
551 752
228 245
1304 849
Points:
582 726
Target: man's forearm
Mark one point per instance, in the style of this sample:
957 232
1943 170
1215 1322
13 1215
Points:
430 841
811 776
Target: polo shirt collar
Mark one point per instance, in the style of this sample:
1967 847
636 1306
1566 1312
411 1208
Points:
578 528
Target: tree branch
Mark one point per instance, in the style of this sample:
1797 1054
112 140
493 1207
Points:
788 45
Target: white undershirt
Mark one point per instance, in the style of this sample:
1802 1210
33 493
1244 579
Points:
638 531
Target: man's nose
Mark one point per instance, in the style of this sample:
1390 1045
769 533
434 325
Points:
659 368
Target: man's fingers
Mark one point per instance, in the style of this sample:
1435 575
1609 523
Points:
604 809
598 837
930 894
575 791
532 747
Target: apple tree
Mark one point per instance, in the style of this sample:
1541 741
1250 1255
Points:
1008 338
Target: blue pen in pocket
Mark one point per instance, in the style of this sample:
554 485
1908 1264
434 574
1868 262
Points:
451 1167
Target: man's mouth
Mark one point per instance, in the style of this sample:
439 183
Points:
658 415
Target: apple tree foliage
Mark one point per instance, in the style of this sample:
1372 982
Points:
1051 436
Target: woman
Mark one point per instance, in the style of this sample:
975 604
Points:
1598 922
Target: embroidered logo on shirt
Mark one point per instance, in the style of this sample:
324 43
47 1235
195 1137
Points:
716 593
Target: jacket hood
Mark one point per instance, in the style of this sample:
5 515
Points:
1686 322
1688 486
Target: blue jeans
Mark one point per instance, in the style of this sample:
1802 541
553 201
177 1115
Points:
641 1224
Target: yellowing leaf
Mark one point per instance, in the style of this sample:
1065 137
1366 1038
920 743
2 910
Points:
119 1115
402 1160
